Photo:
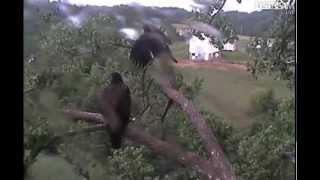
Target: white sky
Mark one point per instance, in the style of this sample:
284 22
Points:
244 6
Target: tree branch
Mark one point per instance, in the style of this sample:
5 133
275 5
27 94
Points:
220 8
208 169
208 139
85 116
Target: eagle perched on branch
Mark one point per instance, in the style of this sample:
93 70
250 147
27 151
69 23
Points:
115 104
152 45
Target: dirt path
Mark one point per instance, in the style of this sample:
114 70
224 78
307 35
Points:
217 64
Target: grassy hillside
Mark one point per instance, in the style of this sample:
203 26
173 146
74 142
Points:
236 57
227 93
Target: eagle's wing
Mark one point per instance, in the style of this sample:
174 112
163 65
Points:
148 46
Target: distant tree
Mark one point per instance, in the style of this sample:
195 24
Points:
212 15
279 56
262 152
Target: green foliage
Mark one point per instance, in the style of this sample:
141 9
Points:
129 163
223 131
189 90
37 138
260 153
251 24
51 167
187 134
224 25
66 65
263 102
278 58
73 63
236 56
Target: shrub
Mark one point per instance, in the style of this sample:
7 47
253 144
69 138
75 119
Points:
263 102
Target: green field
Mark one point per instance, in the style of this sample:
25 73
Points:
236 57
241 55
227 93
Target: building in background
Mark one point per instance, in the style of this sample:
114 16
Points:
230 46
200 46
202 49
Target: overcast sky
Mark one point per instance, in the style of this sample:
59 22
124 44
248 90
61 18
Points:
245 6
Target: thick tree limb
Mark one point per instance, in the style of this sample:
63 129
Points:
209 140
208 169
85 116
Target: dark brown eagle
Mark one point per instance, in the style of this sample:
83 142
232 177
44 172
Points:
115 102
154 44
149 45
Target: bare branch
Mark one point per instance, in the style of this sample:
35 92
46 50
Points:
209 140
208 169
85 116
140 114
220 8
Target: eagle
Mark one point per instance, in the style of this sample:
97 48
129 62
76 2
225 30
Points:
149 45
154 44
115 105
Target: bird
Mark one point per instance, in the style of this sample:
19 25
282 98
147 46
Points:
149 45
115 105
152 45
150 28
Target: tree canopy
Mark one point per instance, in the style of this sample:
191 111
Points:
71 64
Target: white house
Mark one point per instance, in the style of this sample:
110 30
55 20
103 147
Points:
198 49
229 46
202 49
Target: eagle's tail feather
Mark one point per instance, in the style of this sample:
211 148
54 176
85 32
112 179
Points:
115 140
